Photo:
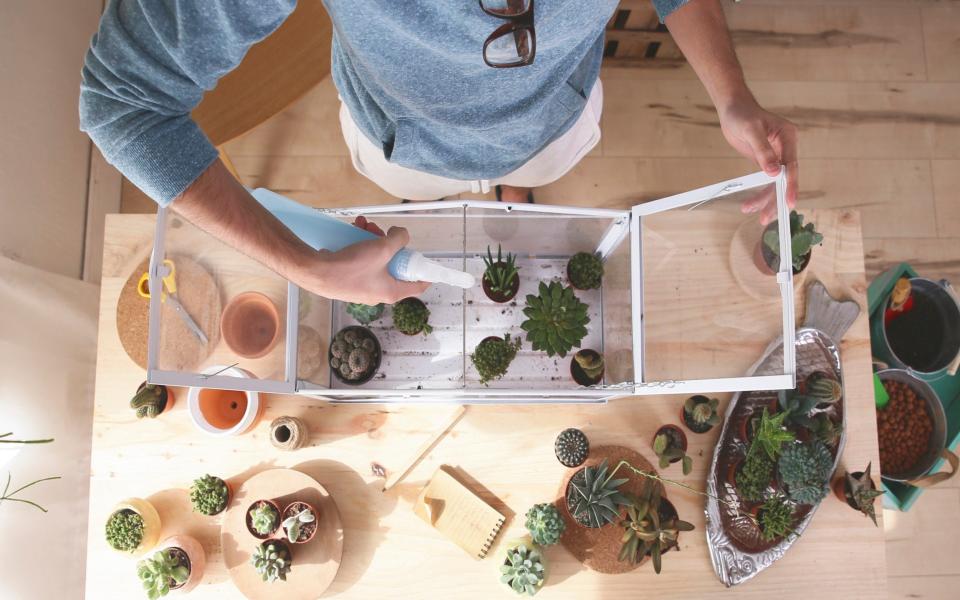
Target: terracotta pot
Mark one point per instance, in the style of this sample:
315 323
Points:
249 523
295 507
167 391
195 556
676 436
224 412
501 298
579 376
250 325
566 494
527 543
151 523
841 491
288 433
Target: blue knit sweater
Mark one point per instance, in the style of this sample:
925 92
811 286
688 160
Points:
411 73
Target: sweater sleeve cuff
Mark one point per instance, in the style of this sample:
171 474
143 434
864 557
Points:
166 158
665 7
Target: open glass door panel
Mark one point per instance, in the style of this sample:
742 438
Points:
712 288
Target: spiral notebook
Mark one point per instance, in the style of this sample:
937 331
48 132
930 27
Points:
456 512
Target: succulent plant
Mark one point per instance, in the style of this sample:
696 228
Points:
585 270
593 497
769 435
523 569
209 495
500 273
364 313
825 390
353 353
493 356
411 316
263 518
293 523
775 519
556 319
802 239
149 401
591 362
646 532
669 452
571 447
861 491
544 524
754 475
157 572
700 413
124 530
826 430
796 407
805 470
272 560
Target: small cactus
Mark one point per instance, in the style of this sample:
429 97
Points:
124 530
585 271
700 413
825 389
590 362
209 495
353 353
571 447
411 316
149 401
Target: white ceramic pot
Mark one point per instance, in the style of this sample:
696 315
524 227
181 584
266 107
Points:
225 424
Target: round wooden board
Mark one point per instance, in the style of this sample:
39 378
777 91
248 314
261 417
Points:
180 350
599 548
315 563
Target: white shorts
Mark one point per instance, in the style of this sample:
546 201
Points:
546 166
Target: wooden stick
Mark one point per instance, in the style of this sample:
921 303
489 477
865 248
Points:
427 446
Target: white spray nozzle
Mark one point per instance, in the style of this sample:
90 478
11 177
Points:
421 268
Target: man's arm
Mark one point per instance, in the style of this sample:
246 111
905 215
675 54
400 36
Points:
700 30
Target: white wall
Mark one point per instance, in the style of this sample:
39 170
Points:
44 158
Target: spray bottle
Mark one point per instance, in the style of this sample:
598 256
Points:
321 231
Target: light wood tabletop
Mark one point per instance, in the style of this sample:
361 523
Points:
506 452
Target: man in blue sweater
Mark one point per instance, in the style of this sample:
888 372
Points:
438 97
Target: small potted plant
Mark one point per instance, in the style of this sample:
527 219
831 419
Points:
859 491
775 519
544 524
299 522
411 316
826 430
753 475
501 279
824 389
209 495
571 447
805 471
133 527
802 240
272 560
364 313
354 355
699 413
586 368
151 400
177 566
770 434
670 444
651 528
556 319
492 357
796 407
524 567
593 497
585 271
263 518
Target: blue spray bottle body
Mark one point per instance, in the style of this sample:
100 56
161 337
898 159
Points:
321 231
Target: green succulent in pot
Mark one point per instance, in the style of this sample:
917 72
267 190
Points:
754 475
585 270
797 408
668 453
649 529
209 495
150 400
556 319
824 389
161 573
587 367
803 237
770 435
593 497
775 519
524 567
545 524
354 355
365 313
805 470
492 357
501 278
272 560
411 316
700 413
124 530
263 518
859 492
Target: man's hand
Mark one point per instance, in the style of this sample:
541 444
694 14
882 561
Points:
769 140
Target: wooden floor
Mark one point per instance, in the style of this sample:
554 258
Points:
874 86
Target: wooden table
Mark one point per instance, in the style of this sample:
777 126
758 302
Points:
508 451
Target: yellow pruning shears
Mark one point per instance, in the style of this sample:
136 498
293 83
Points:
169 292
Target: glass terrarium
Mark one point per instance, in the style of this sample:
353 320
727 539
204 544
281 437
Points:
689 299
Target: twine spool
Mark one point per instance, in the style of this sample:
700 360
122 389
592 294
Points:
288 433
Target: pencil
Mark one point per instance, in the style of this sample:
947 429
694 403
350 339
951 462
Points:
427 446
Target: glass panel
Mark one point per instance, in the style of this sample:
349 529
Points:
424 361
235 302
617 316
543 244
711 305
506 7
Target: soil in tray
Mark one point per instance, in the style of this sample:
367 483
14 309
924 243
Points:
916 336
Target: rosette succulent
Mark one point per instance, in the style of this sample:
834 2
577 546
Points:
272 560
556 319
160 573
524 569
805 470
364 313
544 524
594 497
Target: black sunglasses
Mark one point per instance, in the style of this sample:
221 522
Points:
513 44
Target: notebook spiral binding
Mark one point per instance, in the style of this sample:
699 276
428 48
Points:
493 535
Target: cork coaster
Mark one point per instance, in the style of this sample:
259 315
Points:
180 350
599 548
